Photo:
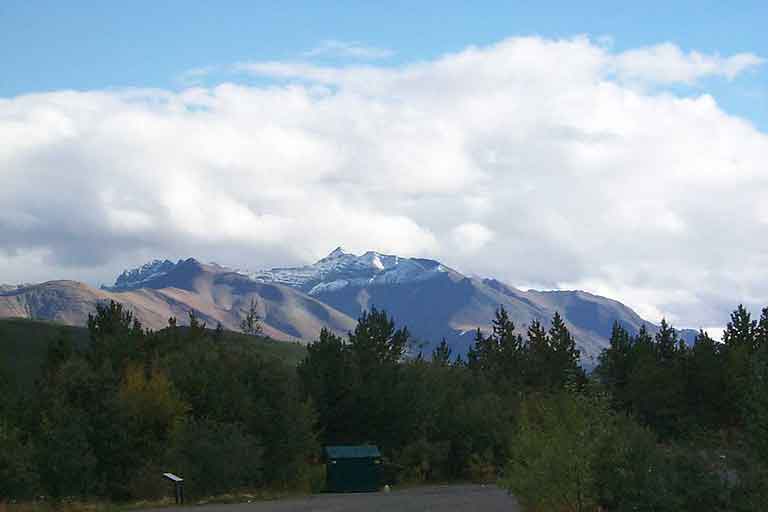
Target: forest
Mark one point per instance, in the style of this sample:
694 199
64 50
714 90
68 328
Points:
658 425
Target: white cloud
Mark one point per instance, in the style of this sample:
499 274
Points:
348 49
531 160
666 63
716 333
471 237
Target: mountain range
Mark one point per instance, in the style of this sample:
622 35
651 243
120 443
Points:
433 300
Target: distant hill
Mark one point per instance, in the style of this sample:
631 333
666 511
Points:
24 343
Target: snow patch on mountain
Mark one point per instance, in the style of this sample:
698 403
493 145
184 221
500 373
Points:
341 269
137 277
5 288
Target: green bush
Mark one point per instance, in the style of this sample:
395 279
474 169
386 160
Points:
18 473
424 461
552 454
214 457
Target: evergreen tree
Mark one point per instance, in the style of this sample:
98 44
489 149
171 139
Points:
540 357
739 344
615 364
441 355
115 336
218 334
740 331
705 384
565 358
375 341
251 324
328 378
196 328
761 330
666 343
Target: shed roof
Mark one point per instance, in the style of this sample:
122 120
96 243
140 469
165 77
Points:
362 451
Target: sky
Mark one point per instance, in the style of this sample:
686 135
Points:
552 145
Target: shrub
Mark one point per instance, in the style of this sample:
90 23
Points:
18 474
214 457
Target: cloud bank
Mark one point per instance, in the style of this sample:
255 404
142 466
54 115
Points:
536 161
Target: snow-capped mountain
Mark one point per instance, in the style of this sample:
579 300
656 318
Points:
12 287
162 289
137 277
437 302
431 299
341 269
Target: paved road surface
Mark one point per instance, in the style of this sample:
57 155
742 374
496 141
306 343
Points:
449 498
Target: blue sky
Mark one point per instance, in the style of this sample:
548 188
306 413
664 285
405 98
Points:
85 45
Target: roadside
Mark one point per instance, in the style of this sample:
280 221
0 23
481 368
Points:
445 498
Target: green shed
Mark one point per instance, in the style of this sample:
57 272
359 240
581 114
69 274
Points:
352 468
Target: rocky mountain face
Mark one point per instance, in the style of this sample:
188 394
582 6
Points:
437 302
433 300
214 293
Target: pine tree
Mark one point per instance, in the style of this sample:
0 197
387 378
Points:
740 331
738 346
115 336
566 355
375 340
666 343
539 357
614 362
510 349
218 334
441 356
251 324
761 331
705 382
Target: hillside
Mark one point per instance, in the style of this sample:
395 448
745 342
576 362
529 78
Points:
24 343
214 293
437 302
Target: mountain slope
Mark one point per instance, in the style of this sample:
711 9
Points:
215 294
435 301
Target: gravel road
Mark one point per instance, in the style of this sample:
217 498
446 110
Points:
447 498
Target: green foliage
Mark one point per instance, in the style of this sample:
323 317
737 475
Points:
19 478
215 457
553 453
441 356
756 405
571 452
104 417
24 346
424 461
228 411
251 324
66 458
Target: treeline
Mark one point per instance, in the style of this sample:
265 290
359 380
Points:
658 426
107 420
437 418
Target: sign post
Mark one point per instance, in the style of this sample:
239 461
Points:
178 486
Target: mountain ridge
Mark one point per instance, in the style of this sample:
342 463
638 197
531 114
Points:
432 299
